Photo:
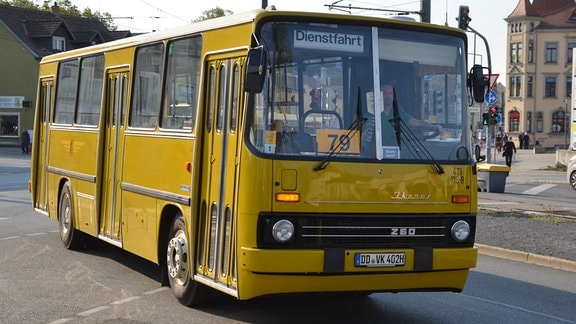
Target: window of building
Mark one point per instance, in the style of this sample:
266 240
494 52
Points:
539 122
512 86
550 87
531 52
515 86
529 122
58 43
551 52
558 121
571 45
568 86
529 86
146 97
516 53
513 121
9 123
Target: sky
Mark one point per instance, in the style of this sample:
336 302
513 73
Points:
487 16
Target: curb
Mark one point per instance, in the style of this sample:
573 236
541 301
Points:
527 257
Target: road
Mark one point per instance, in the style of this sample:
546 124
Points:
41 282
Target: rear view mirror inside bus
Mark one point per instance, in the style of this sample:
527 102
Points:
255 70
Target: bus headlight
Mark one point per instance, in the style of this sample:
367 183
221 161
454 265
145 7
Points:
460 231
282 231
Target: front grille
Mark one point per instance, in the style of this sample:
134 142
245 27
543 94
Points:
365 231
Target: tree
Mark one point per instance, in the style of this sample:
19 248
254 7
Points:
213 13
26 4
66 8
105 18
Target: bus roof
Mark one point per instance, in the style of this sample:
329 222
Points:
231 20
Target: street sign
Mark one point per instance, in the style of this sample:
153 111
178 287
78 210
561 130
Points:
490 97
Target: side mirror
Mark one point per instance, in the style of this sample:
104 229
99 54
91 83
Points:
255 70
477 83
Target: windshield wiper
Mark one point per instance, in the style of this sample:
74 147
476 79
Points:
397 120
343 140
403 133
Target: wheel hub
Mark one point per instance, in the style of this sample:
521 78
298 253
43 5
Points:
178 258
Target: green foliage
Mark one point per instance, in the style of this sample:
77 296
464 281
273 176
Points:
27 4
66 8
213 13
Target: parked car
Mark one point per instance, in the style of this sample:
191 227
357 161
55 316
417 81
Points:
571 172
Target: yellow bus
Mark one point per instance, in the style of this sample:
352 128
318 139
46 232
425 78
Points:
243 154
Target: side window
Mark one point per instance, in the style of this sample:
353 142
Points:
66 92
211 99
181 88
221 98
147 92
235 97
90 95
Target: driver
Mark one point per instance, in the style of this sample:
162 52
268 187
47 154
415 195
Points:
388 131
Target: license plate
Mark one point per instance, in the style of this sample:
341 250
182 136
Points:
379 259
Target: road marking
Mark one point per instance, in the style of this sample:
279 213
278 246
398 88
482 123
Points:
498 203
125 300
93 310
97 309
539 189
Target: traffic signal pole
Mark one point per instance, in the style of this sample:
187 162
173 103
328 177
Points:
463 23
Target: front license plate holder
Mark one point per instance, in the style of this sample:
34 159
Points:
377 260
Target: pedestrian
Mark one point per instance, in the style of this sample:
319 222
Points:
25 142
509 149
521 140
526 140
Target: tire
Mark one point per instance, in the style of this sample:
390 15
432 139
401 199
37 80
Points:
71 237
573 180
179 267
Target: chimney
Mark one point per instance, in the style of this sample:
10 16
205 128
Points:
55 9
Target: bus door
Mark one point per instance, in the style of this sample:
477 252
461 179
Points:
216 249
40 143
112 153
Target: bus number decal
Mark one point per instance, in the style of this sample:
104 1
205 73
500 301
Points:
344 141
457 177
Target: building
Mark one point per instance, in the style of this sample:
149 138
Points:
540 35
25 37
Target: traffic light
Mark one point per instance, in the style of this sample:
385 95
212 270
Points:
485 118
463 17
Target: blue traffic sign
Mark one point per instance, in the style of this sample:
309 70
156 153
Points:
490 97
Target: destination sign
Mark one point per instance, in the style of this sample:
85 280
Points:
311 39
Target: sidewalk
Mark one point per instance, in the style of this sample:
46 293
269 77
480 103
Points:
528 166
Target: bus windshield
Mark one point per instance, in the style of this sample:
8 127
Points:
319 96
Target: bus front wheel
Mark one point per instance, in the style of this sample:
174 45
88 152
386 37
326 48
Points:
179 267
70 236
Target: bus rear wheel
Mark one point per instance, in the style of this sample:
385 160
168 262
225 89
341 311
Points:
71 238
179 268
